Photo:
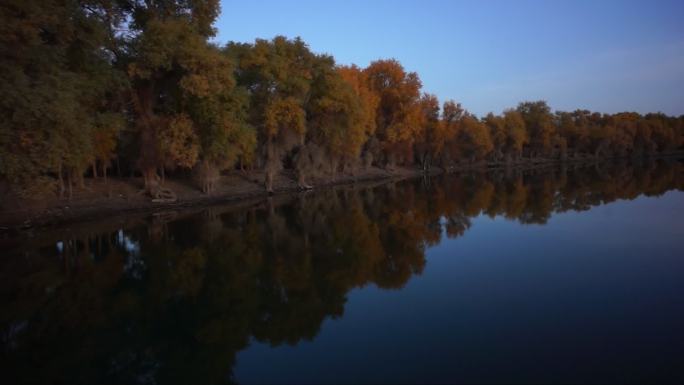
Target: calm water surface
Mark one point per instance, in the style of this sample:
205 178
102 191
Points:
563 275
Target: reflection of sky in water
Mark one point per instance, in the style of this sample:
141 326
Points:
134 266
525 293
534 302
11 333
131 246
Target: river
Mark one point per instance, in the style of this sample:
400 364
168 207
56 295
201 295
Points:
554 275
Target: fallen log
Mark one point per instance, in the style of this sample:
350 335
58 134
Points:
164 195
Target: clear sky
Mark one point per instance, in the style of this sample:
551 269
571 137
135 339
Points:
601 55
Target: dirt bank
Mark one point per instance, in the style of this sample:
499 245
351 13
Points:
116 196
100 199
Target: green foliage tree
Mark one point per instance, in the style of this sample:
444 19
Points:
55 79
174 70
278 76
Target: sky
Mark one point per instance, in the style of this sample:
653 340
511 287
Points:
601 55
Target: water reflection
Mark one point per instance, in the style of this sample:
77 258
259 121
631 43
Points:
172 298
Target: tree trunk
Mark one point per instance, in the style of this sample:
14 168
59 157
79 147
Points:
61 182
151 179
268 182
143 98
333 168
71 189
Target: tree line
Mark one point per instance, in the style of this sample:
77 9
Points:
138 86
175 299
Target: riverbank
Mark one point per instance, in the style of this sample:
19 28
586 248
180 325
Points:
121 196
115 196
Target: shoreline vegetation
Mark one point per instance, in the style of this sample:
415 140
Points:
123 197
138 90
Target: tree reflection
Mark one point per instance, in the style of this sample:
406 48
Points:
173 299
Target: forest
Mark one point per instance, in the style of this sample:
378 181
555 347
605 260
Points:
139 88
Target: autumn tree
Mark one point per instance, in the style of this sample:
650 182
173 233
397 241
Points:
368 103
516 133
601 132
178 143
539 125
474 138
426 142
277 75
284 125
625 131
398 114
497 132
181 89
87 83
447 140
573 126
664 134
337 120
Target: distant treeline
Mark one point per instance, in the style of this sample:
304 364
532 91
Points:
86 86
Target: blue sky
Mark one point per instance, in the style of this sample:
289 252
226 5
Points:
601 55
